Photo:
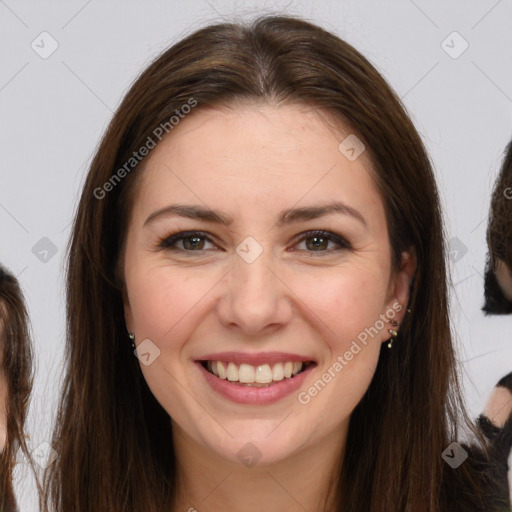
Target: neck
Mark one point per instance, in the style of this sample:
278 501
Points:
307 480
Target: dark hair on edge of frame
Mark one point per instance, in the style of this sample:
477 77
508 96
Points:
495 302
499 238
113 437
18 372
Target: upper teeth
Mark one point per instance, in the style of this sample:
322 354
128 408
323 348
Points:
246 373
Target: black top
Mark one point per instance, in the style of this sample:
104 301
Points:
500 440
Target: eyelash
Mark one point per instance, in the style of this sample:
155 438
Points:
168 242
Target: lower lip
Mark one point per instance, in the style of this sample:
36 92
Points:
255 395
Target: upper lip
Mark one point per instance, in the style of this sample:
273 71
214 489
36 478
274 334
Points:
255 359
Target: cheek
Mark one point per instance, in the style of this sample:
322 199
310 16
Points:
161 298
165 304
347 301
347 305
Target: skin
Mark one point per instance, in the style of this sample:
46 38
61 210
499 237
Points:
252 162
499 407
504 277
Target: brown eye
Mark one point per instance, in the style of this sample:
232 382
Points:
318 241
190 241
193 243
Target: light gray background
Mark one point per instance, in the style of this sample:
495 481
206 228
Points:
54 110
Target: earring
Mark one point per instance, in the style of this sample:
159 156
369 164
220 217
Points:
394 335
132 338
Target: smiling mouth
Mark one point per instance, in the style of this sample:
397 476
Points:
263 375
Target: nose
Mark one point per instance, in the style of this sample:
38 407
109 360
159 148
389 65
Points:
256 299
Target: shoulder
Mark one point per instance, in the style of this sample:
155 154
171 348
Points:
499 406
496 424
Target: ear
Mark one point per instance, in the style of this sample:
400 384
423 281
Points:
128 315
399 287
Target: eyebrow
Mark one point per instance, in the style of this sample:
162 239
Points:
290 216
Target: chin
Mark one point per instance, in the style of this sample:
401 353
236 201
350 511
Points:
256 448
253 453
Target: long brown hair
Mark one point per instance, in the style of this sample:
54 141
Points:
17 368
114 439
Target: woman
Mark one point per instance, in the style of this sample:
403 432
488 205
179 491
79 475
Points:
15 382
498 300
256 223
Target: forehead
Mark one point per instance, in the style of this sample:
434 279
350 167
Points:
260 154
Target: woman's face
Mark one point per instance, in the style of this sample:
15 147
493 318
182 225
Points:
504 278
253 289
